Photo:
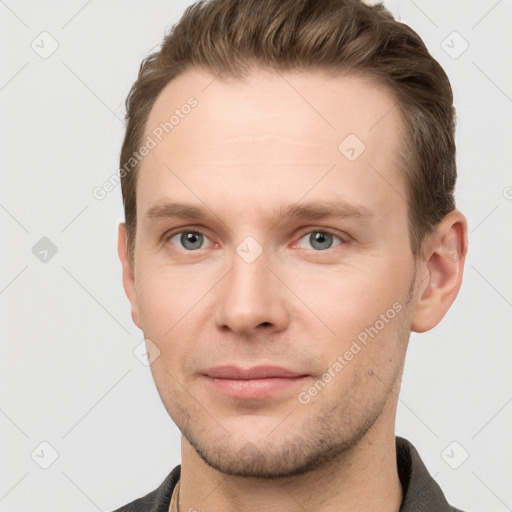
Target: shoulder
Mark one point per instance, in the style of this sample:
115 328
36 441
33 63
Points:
157 500
421 491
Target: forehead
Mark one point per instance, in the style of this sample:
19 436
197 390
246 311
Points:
273 132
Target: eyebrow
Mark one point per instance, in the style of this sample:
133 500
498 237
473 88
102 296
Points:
312 210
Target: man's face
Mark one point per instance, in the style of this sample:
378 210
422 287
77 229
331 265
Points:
246 286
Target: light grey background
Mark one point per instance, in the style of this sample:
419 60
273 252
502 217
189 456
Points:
68 374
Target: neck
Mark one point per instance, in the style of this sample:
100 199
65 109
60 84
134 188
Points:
363 478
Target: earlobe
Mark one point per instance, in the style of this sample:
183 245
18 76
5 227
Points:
441 272
128 273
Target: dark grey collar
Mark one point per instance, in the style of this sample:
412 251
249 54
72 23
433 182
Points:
421 491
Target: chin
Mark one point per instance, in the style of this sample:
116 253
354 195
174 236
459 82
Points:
268 457
265 462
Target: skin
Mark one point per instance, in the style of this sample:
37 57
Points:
249 148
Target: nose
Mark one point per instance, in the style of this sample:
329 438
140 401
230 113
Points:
251 299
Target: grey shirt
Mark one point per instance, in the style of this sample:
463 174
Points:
421 491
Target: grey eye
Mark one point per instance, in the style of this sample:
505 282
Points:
318 240
189 240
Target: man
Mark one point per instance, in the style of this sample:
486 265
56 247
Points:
288 174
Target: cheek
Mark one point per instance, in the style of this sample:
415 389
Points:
154 305
171 304
350 298
166 296
364 312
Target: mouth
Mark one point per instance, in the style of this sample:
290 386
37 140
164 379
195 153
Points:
256 383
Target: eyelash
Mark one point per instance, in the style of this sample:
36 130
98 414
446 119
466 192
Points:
167 237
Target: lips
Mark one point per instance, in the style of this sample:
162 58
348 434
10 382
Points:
257 372
254 383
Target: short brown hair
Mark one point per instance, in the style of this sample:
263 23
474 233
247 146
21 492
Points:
234 37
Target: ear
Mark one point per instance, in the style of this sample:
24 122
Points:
128 273
440 272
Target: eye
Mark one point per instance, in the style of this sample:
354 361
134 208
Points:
189 240
318 240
